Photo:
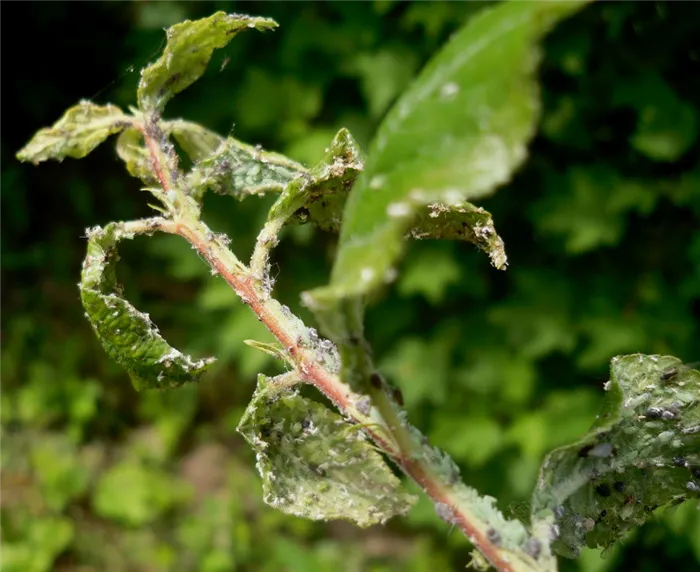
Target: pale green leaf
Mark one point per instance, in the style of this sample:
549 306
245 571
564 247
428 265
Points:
128 335
642 453
316 465
81 129
135 494
458 132
319 194
240 170
133 152
187 54
195 140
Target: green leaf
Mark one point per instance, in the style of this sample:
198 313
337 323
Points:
128 335
133 152
460 221
240 170
187 54
195 140
321 192
314 465
642 453
135 494
457 133
667 126
81 129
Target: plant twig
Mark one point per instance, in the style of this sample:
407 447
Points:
383 424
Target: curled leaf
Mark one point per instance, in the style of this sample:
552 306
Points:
195 140
81 129
456 134
240 170
133 152
129 336
313 465
461 221
643 453
319 194
187 54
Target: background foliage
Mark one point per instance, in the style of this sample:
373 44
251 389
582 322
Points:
601 228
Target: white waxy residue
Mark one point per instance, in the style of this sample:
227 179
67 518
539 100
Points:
450 89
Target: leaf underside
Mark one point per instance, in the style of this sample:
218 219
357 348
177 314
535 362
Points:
129 336
314 465
643 453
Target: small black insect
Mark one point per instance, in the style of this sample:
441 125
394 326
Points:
653 413
305 424
376 380
671 372
619 486
680 462
494 537
603 490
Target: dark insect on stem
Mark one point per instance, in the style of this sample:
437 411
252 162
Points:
494 536
376 380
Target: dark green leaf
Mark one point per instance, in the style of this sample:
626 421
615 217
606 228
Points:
316 465
637 457
79 131
128 335
455 135
187 54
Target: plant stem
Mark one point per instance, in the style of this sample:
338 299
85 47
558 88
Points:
435 473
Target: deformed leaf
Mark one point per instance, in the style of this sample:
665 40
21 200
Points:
128 335
643 453
240 170
133 152
313 465
187 54
319 192
456 134
81 129
195 140
461 221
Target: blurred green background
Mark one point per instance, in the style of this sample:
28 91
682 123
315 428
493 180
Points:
601 226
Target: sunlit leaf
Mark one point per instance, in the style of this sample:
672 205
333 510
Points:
458 132
642 453
187 54
318 194
128 335
314 464
81 129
